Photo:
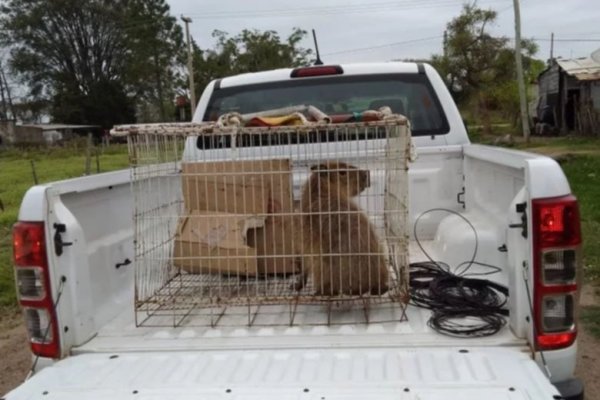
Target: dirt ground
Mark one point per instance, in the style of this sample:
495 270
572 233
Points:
589 349
16 359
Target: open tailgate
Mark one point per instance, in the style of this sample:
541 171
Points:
381 373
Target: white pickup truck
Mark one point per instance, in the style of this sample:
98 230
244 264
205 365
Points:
73 248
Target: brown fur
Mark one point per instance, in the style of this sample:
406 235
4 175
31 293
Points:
341 249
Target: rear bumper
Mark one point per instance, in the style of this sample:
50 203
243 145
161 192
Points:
571 389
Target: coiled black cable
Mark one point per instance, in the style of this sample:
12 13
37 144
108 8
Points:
461 306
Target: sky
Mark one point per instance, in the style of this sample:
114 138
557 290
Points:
383 30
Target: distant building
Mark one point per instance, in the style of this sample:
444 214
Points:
7 131
40 134
569 97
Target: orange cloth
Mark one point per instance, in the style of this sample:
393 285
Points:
292 119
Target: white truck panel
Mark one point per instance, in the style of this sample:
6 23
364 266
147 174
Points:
544 176
33 207
384 373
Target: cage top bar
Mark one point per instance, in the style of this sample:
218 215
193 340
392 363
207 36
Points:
233 123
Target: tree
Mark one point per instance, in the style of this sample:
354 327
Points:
154 64
249 51
504 95
471 54
66 50
91 58
479 67
106 61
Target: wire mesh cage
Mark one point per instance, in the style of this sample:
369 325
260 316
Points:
285 225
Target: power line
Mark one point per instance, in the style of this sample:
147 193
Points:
135 23
316 11
566 40
504 9
334 10
360 49
356 50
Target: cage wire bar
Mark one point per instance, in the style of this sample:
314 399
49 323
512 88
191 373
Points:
224 235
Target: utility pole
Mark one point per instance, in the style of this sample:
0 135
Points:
445 44
519 62
4 110
10 103
188 21
551 47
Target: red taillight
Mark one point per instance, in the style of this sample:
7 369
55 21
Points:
558 221
33 288
316 71
551 219
29 244
553 342
556 240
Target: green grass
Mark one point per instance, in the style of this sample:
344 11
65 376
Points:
584 176
16 178
563 144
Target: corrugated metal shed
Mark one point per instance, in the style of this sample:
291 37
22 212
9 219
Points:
548 80
583 69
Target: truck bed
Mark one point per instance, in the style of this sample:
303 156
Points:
97 304
270 328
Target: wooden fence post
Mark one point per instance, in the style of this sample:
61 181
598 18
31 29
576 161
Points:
35 178
88 154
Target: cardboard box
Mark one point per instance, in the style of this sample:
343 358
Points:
215 243
244 189
275 245
238 187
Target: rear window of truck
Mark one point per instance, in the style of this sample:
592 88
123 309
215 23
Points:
407 94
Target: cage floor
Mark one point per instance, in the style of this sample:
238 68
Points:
212 300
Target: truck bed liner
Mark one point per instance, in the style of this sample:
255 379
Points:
121 334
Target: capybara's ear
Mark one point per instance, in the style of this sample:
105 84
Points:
318 167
